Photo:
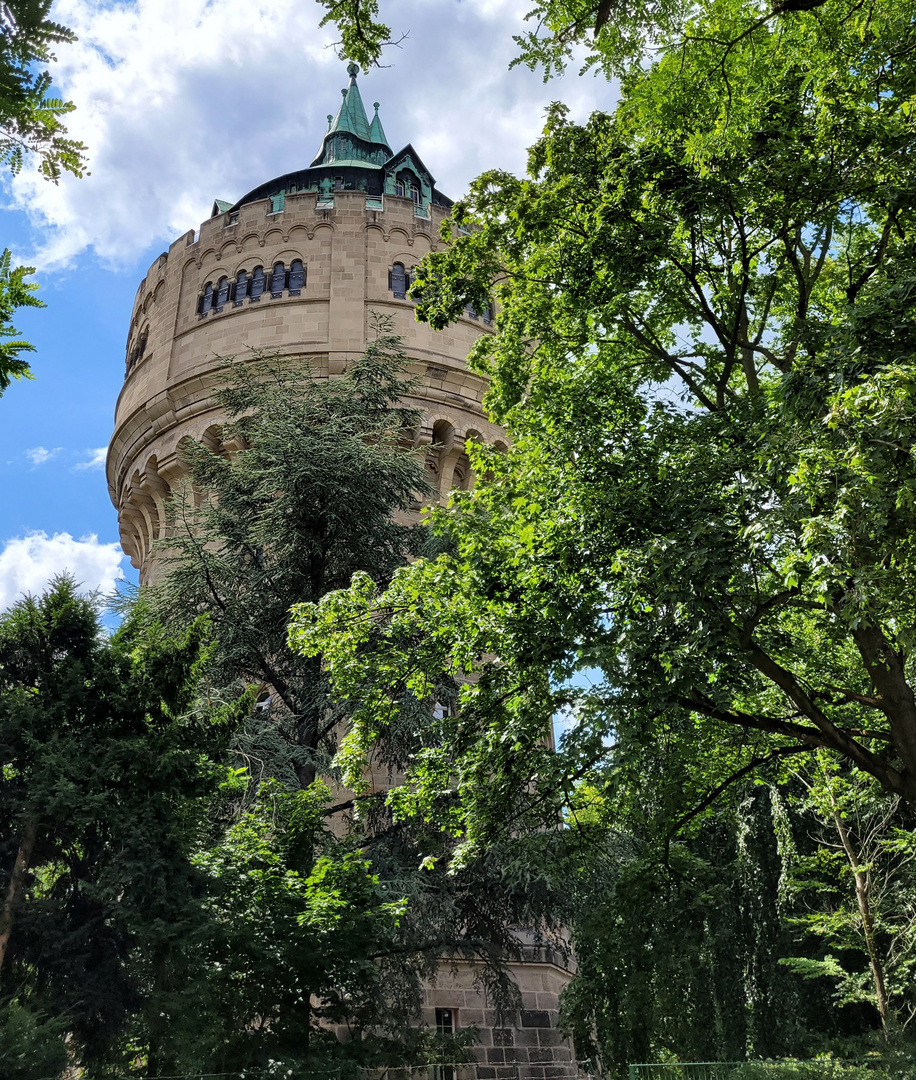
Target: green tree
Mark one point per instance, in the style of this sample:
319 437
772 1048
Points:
15 293
304 491
30 126
103 786
30 121
705 355
613 37
307 496
857 893
293 919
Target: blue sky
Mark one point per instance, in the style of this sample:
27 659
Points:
181 103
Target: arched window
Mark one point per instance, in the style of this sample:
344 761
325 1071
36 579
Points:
222 293
296 277
136 353
258 283
206 301
398 281
400 188
240 291
415 194
471 310
489 313
277 280
461 477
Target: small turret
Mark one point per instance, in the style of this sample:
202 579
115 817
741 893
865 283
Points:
350 138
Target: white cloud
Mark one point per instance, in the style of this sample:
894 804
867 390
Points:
181 103
27 563
96 459
38 455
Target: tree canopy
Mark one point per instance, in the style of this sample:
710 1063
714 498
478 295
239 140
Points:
705 356
30 121
30 127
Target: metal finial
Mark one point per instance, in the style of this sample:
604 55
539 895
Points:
352 71
375 105
330 118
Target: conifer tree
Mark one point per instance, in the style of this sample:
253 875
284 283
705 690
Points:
305 490
104 778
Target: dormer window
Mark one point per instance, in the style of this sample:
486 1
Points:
400 188
415 194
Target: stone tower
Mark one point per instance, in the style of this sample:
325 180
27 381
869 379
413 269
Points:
296 267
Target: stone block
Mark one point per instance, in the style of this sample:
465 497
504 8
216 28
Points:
496 1057
550 1037
535 1018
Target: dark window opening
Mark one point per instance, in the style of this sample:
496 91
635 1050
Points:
206 301
222 293
445 1021
398 281
488 314
258 283
136 353
240 289
296 277
277 280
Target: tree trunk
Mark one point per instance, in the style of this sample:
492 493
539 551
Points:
16 885
863 891
157 1063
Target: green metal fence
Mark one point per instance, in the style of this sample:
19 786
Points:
817 1069
684 1070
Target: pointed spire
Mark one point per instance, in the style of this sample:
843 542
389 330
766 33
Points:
351 116
351 120
376 131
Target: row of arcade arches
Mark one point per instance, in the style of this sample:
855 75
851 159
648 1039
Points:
399 281
144 511
252 286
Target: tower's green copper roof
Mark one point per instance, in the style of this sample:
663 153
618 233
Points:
376 131
355 157
351 122
351 116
